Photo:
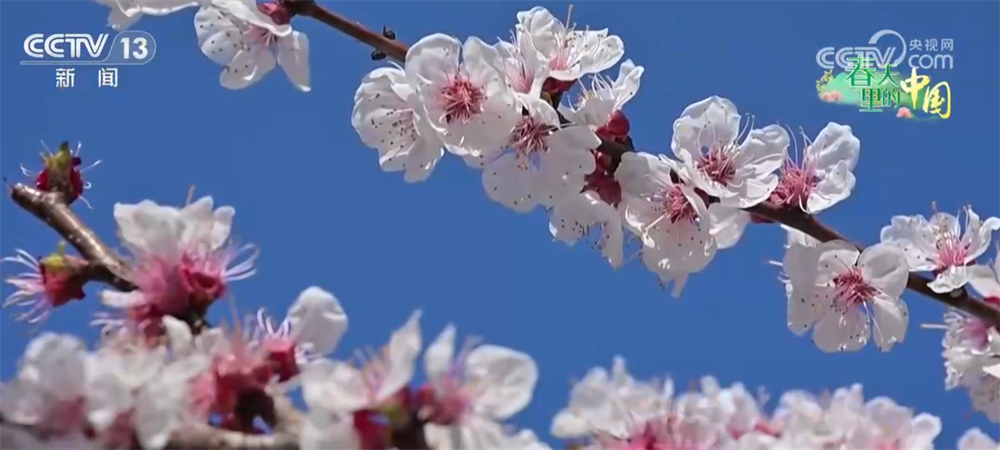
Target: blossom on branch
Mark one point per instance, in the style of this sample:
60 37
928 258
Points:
183 261
671 217
313 328
62 173
570 54
847 291
544 163
250 39
464 91
938 245
823 177
52 281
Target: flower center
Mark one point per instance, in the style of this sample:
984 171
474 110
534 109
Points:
852 289
528 137
202 280
462 99
795 185
60 286
951 251
719 163
281 355
677 207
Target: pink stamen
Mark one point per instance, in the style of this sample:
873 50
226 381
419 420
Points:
677 207
852 290
462 100
528 137
719 163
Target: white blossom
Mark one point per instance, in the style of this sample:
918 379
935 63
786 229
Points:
736 166
313 328
851 289
597 106
570 54
389 117
182 256
250 40
939 245
672 218
545 164
468 102
823 177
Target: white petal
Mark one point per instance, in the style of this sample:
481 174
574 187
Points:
984 280
403 348
437 358
569 425
333 386
835 257
316 317
218 37
842 332
293 56
432 59
703 124
627 83
727 224
248 67
832 189
179 334
891 318
975 439
158 410
505 379
924 429
835 144
107 395
573 218
763 152
117 299
884 266
561 173
507 183
916 237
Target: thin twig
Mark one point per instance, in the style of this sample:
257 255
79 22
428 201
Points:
395 49
50 207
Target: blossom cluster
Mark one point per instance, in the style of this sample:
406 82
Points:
503 109
612 410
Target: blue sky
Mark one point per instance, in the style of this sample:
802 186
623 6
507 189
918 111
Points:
313 198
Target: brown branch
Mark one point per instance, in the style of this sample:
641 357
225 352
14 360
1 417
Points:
50 207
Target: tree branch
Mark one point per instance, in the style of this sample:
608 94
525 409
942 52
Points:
103 264
395 49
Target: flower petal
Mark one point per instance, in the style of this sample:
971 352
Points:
316 317
884 266
293 56
506 379
892 318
